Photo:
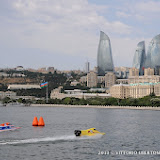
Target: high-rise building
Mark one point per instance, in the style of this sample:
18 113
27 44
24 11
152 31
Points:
87 67
157 70
110 79
139 57
104 56
153 53
95 70
92 79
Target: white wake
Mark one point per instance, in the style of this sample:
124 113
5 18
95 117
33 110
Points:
48 139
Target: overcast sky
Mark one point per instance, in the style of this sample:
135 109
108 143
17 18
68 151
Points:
65 33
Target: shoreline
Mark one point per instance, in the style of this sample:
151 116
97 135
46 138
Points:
97 106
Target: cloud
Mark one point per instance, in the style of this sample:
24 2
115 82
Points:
144 11
70 28
69 14
124 49
122 14
148 6
58 27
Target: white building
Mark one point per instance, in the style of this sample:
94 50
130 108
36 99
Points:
74 83
23 86
76 94
10 94
19 68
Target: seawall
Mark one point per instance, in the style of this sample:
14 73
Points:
97 106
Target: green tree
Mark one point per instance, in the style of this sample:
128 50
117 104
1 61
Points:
67 100
6 100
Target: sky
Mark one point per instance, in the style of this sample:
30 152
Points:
65 33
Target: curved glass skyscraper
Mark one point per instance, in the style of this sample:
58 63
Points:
104 56
153 53
140 57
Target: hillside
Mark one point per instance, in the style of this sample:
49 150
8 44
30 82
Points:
54 80
18 80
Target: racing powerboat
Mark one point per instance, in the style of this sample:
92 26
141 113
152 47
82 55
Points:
88 132
7 127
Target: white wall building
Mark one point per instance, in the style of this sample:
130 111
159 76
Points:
23 86
10 94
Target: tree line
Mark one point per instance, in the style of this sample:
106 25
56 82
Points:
145 101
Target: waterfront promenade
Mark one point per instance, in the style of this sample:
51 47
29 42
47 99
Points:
97 106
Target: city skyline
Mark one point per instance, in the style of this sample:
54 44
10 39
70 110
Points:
65 34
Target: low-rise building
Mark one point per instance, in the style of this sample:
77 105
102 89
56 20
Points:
55 94
3 74
74 91
97 90
120 91
13 95
148 72
42 70
23 86
122 81
138 90
19 68
17 75
122 72
9 94
51 69
83 79
101 79
133 72
74 83
143 79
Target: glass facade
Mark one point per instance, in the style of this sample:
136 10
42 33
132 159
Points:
153 53
104 56
140 57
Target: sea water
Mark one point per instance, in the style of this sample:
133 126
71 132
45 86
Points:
130 134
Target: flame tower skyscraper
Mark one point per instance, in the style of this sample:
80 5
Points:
140 57
104 56
153 53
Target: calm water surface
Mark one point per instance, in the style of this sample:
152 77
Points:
126 130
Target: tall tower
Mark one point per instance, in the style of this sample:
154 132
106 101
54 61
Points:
87 67
139 57
104 56
153 53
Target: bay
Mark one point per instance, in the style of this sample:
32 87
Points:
126 130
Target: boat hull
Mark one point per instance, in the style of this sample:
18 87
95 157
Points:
8 128
88 132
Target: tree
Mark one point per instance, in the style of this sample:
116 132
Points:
67 100
152 94
6 100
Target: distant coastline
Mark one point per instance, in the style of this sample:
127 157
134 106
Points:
97 106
